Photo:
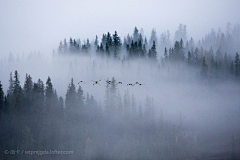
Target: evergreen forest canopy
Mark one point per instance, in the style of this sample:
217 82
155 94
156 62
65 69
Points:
34 117
217 53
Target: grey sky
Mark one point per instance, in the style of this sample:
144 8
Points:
29 25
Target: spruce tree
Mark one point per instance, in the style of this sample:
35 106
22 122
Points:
1 100
96 41
10 88
48 94
80 101
165 54
204 68
153 37
71 97
17 93
237 63
28 86
135 34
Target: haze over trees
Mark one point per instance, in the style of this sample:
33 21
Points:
120 121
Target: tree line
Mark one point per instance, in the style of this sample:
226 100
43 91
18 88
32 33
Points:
33 117
214 56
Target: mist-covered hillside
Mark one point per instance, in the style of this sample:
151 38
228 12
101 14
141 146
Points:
132 97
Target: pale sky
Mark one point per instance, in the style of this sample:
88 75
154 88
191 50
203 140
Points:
39 25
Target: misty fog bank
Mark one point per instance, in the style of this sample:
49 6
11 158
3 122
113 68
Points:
123 100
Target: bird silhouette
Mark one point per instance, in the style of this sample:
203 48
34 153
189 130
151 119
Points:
96 82
108 81
82 82
140 84
130 84
119 83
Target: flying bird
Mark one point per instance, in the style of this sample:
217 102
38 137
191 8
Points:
82 82
108 81
96 82
119 83
130 84
140 84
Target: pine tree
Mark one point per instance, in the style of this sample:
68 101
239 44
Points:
109 39
107 50
71 44
189 58
176 51
96 41
116 40
10 88
88 44
60 48
17 93
135 34
146 43
1 100
28 86
101 49
49 94
104 39
237 63
204 68
71 97
181 50
153 37
181 33
80 100
152 54
65 46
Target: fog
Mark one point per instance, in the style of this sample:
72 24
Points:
205 108
37 26
178 96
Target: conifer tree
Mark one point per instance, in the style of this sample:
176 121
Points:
80 101
17 93
1 100
96 41
146 43
28 86
237 63
165 54
189 58
48 94
101 49
204 68
135 34
153 37
10 88
71 97
107 50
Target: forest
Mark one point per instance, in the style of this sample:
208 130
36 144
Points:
168 110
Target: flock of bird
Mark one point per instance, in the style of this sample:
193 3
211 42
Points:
109 82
